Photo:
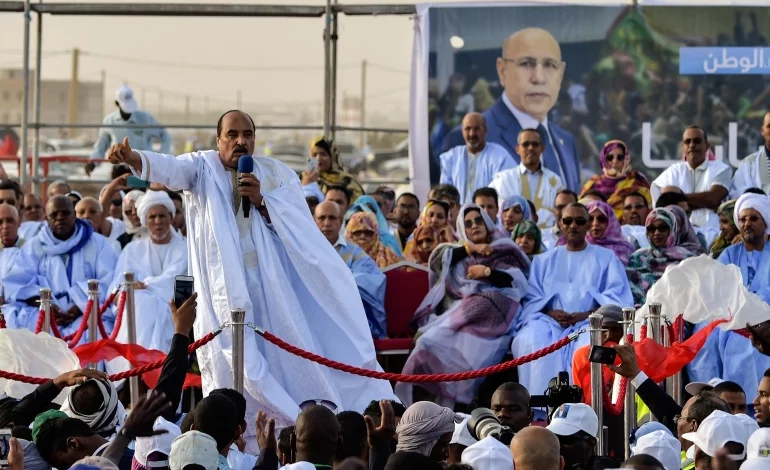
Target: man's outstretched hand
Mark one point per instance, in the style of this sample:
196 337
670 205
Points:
122 153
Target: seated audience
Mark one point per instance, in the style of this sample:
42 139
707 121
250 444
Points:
406 214
552 235
369 205
63 257
618 179
635 210
465 318
513 210
527 235
451 196
669 245
566 284
369 279
362 229
426 239
486 198
604 230
134 229
330 171
90 210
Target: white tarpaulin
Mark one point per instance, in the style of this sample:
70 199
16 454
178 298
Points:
704 290
35 355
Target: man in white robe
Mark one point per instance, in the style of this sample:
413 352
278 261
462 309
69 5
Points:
705 182
566 284
64 256
155 262
530 178
473 165
754 170
90 210
276 265
728 354
636 207
10 242
551 235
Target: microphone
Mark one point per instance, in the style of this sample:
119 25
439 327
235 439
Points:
245 165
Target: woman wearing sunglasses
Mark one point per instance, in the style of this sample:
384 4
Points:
618 179
604 230
465 319
647 265
362 230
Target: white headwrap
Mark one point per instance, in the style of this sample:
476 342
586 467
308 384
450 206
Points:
152 199
107 417
758 202
134 195
422 426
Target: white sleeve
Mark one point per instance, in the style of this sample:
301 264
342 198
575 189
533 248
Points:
742 180
177 173
723 178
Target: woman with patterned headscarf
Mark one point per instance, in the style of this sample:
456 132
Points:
513 210
527 235
647 265
368 204
330 171
435 214
425 240
464 321
728 232
618 179
604 230
362 230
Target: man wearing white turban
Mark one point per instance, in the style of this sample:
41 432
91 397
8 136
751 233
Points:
426 428
726 354
155 261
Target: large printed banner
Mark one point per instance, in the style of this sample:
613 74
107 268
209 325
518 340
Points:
595 72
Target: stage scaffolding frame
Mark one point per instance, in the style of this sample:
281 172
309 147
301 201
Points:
330 13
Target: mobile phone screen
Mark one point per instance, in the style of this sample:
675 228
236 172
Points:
135 182
183 289
602 355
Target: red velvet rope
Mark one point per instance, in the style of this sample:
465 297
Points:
40 321
422 378
83 325
119 315
616 409
2 322
114 377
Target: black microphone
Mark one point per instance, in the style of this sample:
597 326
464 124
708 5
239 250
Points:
245 165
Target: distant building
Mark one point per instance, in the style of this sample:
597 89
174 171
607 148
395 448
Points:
54 107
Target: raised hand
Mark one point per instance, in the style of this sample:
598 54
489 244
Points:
77 377
266 432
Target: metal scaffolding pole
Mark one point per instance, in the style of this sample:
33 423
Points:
25 111
333 73
38 98
327 67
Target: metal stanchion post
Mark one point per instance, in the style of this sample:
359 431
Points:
629 407
654 321
130 321
45 306
237 317
93 319
673 383
597 386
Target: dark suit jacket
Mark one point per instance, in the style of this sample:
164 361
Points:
503 129
662 406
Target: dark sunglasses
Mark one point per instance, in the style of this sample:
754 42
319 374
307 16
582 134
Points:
362 233
610 158
476 220
658 228
602 219
116 202
529 144
634 206
580 221
330 405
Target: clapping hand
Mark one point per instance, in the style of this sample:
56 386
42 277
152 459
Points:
266 432
382 435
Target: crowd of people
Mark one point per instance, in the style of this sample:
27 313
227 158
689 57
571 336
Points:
515 261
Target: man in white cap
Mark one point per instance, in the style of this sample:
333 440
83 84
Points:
718 434
128 114
488 454
155 261
695 388
194 449
576 425
663 446
758 451
727 354
461 439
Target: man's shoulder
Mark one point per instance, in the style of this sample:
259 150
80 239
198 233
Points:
112 117
143 116
498 150
751 158
718 166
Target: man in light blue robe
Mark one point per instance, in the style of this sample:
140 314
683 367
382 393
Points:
473 165
63 257
369 279
566 284
727 354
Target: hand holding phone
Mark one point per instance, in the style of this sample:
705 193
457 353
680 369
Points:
134 182
183 289
602 355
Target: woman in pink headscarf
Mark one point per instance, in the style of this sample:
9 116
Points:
618 179
604 230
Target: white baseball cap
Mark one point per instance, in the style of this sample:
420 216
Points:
161 443
694 388
663 446
461 435
126 99
716 431
194 448
488 454
758 453
570 418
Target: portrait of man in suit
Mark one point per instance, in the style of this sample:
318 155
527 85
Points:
530 71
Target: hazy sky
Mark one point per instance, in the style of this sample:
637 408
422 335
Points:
291 47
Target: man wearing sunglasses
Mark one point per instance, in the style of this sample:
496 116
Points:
702 179
635 211
735 359
530 178
566 285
